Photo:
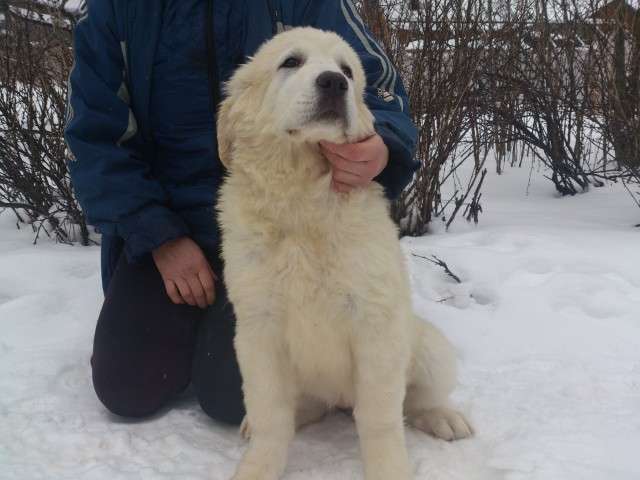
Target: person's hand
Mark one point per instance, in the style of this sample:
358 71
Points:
355 164
187 275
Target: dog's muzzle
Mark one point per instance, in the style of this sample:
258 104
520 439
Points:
332 96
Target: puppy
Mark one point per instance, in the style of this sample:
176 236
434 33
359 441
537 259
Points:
317 278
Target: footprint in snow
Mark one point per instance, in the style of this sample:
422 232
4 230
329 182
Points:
82 271
72 378
5 298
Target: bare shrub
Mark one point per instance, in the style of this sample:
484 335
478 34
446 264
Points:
34 181
615 87
553 80
437 47
538 90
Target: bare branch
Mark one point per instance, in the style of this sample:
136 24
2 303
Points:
435 260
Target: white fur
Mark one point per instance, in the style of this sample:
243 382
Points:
317 278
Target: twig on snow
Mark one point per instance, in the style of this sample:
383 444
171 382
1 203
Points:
441 263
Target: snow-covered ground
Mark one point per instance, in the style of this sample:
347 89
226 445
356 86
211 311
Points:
546 320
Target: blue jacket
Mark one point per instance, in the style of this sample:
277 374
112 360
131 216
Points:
132 199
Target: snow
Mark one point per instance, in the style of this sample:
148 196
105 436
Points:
545 320
74 7
40 17
415 45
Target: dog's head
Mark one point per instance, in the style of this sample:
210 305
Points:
303 86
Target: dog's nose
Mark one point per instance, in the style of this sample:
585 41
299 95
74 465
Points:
332 83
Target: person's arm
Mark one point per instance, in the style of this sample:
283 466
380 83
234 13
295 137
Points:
385 94
112 180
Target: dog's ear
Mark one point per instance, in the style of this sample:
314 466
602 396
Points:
230 113
224 129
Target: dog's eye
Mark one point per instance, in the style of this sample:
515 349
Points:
291 62
347 71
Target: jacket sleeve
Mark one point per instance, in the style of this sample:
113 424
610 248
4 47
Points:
385 94
111 178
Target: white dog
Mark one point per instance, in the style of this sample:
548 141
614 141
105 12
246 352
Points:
317 278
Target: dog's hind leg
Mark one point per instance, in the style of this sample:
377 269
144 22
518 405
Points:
432 377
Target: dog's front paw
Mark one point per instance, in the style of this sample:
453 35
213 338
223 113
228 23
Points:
256 472
251 476
265 459
444 423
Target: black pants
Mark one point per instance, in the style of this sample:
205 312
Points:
146 349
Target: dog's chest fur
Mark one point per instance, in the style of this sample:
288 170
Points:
308 270
319 310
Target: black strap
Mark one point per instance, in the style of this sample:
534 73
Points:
212 67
